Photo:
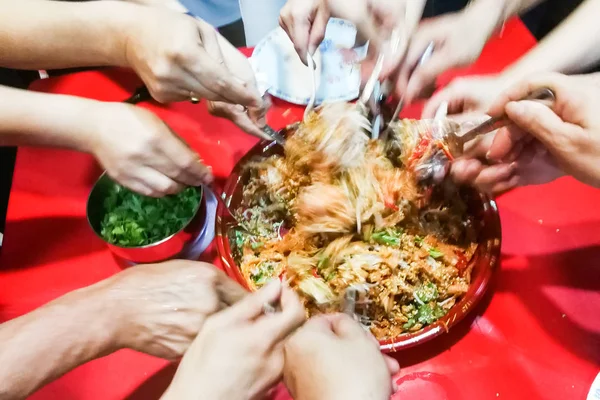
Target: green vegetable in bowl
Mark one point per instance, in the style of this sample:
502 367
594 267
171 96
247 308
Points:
133 220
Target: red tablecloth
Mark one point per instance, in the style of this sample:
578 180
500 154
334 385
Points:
538 336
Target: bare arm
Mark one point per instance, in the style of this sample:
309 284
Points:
494 13
515 7
38 34
171 4
39 119
48 342
572 47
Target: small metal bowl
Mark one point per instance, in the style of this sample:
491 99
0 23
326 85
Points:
167 248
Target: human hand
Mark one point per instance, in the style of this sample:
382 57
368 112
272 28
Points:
305 22
458 40
141 152
473 167
333 357
160 308
388 25
239 351
179 57
252 119
473 94
542 143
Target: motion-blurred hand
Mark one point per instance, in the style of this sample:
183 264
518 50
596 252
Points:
474 94
458 38
388 25
179 57
305 21
141 152
238 354
333 357
543 143
162 307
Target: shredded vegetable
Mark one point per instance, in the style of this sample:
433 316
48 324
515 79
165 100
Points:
338 209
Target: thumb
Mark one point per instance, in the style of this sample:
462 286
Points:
541 122
346 327
253 305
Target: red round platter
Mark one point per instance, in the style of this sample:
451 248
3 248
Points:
484 261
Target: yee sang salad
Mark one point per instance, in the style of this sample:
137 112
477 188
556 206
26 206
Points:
338 209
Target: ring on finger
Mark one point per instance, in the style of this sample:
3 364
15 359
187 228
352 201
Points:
193 98
268 309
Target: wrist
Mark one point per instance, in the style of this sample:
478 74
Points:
488 15
93 116
516 72
119 19
93 320
341 395
118 313
84 126
195 389
59 121
313 391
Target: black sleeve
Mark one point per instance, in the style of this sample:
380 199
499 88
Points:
19 79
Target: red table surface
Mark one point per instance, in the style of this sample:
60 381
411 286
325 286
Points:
538 336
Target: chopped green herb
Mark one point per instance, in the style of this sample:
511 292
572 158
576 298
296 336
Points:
259 278
427 315
367 232
257 245
390 237
240 239
323 263
435 253
409 324
132 219
263 272
419 240
427 292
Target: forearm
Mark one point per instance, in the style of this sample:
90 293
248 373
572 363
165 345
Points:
40 34
572 47
48 342
39 119
174 5
492 14
515 7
